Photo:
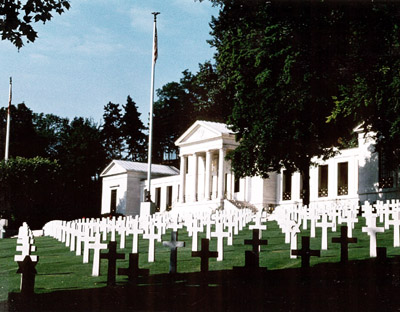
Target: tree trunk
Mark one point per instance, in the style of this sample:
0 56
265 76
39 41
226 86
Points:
305 173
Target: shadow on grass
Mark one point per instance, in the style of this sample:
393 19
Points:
368 285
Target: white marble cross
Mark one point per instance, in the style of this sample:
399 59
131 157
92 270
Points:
174 224
112 227
350 219
208 221
396 225
220 235
160 224
64 232
73 234
305 213
87 240
83 231
196 228
26 248
324 225
97 246
285 225
122 231
258 224
135 230
230 222
372 230
367 211
151 236
314 218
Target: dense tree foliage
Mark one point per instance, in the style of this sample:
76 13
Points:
72 156
23 137
17 17
180 104
31 191
289 65
112 131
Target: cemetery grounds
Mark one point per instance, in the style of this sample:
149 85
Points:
59 269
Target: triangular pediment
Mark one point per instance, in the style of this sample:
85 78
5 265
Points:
198 132
112 169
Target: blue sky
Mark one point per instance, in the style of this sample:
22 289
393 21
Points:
100 51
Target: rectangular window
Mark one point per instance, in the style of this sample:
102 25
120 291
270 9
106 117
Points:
323 181
169 198
237 185
385 174
158 198
343 178
186 164
286 185
113 202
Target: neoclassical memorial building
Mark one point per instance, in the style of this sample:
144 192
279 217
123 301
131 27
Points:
205 179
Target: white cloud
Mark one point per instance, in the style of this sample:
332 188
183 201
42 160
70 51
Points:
142 19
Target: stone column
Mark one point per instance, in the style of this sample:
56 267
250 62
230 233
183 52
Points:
207 190
221 173
195 177
183 179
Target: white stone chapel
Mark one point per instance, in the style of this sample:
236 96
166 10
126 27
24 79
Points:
205 179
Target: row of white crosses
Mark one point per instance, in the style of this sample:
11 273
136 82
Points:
291 217
326 217
90 234
25 244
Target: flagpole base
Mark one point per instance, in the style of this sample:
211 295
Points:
147 208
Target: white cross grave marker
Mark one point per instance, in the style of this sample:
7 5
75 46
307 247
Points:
220 234
372 230
324 225
97 246
151 236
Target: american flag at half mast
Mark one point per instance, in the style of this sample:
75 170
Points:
155 48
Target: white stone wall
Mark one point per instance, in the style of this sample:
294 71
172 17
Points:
115 182
351 156
163 184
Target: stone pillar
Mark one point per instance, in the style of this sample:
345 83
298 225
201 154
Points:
221 173
207 189
195 177
183 179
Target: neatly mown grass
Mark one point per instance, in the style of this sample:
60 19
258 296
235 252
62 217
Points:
59 268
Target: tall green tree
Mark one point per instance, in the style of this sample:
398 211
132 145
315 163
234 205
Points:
173 114
180 104
286 63
212 101
17 18
132 130
372 89
49 128
111 131
23 136
82 158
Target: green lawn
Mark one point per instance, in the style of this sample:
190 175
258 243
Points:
60 269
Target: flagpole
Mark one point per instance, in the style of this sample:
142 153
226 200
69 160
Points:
8 121
153 65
